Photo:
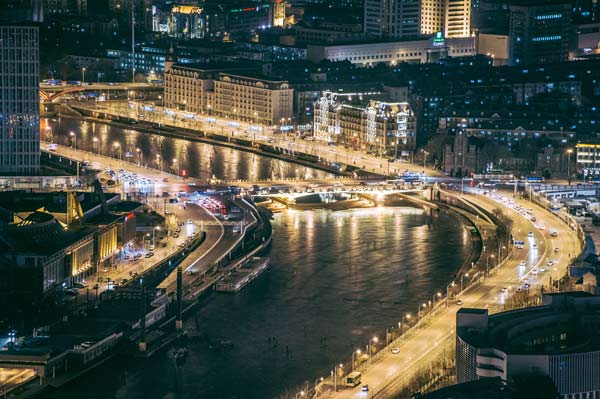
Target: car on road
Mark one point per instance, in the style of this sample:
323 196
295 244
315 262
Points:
365 388
554 234
82 284
522 263
542 269
530 234
395 351
556 249
504 289
541 227
459 302
190 221
149 255
534 271
175 235
550 263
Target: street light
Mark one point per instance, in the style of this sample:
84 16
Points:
487 264
569 151
374 339
157 228
83 75
423 305
356 352
461 282
438 295
448 292
74 136
299 394
335 373
95 141
407 317
317 382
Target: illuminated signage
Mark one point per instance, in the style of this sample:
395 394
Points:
438 40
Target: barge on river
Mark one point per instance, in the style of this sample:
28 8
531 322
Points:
242 276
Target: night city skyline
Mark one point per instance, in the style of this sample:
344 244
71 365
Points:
286 199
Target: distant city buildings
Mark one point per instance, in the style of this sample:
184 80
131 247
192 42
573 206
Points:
19 100
558 339
540 32
217 20
374 126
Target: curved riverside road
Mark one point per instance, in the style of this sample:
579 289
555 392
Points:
389 372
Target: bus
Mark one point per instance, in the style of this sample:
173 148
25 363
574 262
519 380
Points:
519 244
353 379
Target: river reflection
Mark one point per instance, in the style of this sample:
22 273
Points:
336 279
193 159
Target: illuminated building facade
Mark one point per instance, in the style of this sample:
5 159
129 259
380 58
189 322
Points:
377 127
450 17
19 100
232 94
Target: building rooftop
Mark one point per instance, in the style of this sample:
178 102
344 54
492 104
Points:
563 324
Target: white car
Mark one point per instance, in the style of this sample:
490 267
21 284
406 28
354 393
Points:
534 271
550 263
395 351
530 234
523 263
541 227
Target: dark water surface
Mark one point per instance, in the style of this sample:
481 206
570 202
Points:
336 279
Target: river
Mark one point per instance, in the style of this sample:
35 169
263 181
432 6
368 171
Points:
336 279
199 160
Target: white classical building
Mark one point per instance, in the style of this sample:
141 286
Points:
373 126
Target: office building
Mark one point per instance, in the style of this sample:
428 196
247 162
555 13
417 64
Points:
559 339
391 19
391 53
235 91
450 17
377 127
588 159
19 100
540 32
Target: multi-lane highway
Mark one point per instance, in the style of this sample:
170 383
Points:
390 372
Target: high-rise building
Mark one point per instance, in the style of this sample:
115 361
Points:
540 32
451 17
19 100
392 19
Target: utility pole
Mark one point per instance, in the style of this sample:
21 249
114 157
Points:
178 320
132 41
142 344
